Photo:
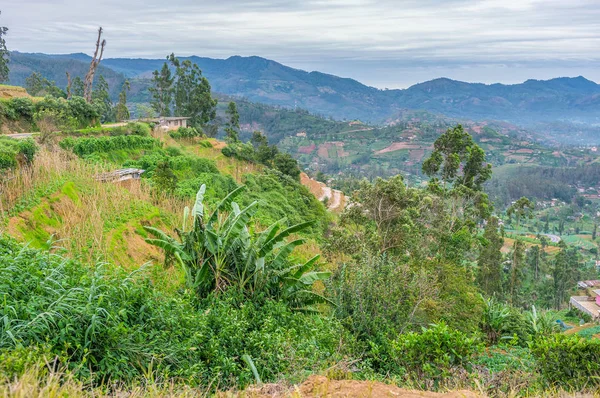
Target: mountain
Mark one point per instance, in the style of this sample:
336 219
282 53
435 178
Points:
266 81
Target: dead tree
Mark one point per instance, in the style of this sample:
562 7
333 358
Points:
68 85
89 77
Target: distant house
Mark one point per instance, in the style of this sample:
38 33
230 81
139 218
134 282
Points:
169 123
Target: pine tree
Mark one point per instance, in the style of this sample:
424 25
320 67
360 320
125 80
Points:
547 224
595 231
489 277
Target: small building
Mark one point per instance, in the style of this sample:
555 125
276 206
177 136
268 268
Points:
173 123
120 175
168 123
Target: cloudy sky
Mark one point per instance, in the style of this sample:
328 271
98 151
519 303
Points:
383 43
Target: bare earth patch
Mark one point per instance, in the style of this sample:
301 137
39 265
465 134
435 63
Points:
321 386
397 146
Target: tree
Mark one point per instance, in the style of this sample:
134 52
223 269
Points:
561 275
516 272
521 208
121 111
594 232
89 77
192 93
77 87
3 55
547 224
489 277
286 164
458 160
233 124
162 90
38 86
101 100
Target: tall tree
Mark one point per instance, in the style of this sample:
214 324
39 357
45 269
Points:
458 160
522 208
233 124
38 86
3 55
162 90
69 85
489 277
89 77
561 275
77 87
192 93
102 101
516 272
121 111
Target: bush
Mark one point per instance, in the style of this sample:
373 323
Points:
570 362
13 151
88 146
106 326
185 132
434 352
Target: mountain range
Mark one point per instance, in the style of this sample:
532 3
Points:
261 80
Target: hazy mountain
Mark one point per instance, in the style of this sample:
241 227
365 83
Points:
262 80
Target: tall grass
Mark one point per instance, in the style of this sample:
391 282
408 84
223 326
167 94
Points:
58 194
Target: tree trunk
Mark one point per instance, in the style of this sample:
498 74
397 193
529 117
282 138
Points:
89 77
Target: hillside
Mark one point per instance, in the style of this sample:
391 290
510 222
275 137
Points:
262 80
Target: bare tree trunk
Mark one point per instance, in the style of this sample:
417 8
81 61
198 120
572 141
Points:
68 85
89 77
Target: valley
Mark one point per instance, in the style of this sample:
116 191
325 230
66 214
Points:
194 226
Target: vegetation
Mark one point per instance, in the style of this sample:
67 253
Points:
423 281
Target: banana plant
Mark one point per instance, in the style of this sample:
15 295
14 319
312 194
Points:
221 250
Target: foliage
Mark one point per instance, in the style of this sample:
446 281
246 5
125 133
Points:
233 124
568 361
434 352
185 132
87 146
13 152
164 179
39 86
121 110
489 277
221 251
106 326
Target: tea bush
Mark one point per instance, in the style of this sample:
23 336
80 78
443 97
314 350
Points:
432 353
570 362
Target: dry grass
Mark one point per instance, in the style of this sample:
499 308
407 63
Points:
80 221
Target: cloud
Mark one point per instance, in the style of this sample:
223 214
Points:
333 35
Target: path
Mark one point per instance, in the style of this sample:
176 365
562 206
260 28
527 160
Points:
20 136
553 238
336 198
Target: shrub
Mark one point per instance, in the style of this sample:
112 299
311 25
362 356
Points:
13 151
185 132
88 146
434 352
106 326
570 362
142 129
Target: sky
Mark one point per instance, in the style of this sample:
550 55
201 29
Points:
384 43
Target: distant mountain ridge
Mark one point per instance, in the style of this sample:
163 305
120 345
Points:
266 81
